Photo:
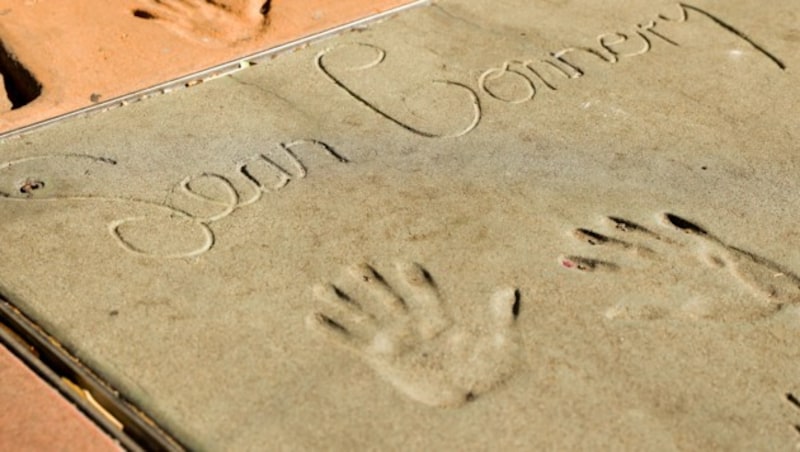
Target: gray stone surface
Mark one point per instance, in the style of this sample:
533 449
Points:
598 256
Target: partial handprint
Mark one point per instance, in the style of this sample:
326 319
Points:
673 259
413 343
214 22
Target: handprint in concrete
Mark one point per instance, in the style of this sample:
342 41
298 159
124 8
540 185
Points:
683 258
413 343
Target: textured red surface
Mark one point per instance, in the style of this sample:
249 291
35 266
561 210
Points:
82 52
35 417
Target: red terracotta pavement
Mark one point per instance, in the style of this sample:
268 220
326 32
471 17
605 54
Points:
35 417
59 56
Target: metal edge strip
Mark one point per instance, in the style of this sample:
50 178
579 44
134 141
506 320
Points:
52 362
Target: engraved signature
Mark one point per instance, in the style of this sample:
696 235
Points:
208 197
379 55
522 76
514 81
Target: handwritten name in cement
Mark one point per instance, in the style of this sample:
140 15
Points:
527 76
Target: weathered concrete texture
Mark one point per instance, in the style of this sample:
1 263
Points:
64 56
35 417
594 255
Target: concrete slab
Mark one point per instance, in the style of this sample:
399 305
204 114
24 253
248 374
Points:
59 57
35 417
479 225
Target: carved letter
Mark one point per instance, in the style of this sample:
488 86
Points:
577 71
528 88
259 168
301 169
648 27
225 203
608 40
685 8
470 96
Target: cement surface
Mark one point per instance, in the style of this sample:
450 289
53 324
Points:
59 57
596 252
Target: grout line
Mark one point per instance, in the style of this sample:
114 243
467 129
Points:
219 70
